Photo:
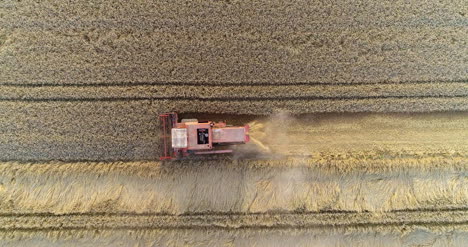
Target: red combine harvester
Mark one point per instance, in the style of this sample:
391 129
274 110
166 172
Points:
193 137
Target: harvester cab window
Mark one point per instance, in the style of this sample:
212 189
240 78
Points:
203 136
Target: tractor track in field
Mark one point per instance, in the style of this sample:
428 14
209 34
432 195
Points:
258 157
240 99
252 93
218 84
420 217
445 208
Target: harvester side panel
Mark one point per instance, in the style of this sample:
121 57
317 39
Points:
230 135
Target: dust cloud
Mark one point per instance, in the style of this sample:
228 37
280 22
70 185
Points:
265 134
283 134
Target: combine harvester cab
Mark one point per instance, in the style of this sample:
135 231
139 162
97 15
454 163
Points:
193 137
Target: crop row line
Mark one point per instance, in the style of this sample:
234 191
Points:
220 84
408 210
305 98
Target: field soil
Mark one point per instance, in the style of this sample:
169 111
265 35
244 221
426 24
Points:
358 113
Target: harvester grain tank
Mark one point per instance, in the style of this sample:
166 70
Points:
190 136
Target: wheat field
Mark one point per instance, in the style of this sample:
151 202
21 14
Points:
358 113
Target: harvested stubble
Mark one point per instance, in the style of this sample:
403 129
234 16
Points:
354 183
366 237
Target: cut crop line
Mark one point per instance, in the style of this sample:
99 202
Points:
305 98
220 227
220 157
222 214
229 221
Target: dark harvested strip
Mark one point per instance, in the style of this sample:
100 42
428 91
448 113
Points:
343 161
229 221
208 214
